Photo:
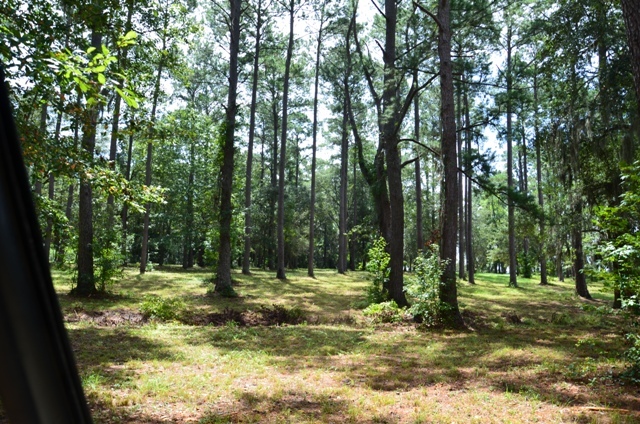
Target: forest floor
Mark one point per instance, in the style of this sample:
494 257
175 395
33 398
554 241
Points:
298 351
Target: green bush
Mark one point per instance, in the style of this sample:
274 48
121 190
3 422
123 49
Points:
384 312
424 289
378 268
160 308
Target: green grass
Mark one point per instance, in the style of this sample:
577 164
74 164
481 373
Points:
560 363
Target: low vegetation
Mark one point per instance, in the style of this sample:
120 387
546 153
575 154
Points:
160 349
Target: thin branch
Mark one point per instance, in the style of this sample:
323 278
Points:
425 10
379 11
409 162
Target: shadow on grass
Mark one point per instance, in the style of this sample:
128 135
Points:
95 347
291 406
290 342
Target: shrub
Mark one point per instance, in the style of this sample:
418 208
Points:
160 308
384 312
378 268
424 289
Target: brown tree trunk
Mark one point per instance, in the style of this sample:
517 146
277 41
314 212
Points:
223 274
631 13
461 226
280 271
391 122
246 258
312 205
469 197
344 158
418 172
448 290
144 256
86 281
513 279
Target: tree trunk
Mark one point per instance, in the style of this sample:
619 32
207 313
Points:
461 226
280 272
246 258
448 290
353 240
390 122
144 256
312 205
469 197
344 159
631 13
578 263
418 172
86 281
541 224
223 275
513 280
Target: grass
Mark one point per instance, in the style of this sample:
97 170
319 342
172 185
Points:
559 361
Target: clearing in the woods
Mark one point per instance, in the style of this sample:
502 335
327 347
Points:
299 351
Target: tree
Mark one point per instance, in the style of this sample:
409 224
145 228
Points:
631 13
323 16
280 272
448 289
223 276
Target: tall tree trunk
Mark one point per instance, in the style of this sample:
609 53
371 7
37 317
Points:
273 195
461 226
344 159
578 262
448 290
187 253
418 172
631 13
223 275
541 224
280 272
144 256
125 208
353 240
113 148
469 197
86 285
246 258
391 122
312 205
513 279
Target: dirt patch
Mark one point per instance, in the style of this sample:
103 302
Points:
108 318
264 316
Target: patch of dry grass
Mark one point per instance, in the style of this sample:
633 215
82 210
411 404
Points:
558 362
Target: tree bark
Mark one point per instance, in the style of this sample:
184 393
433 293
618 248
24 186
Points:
391 122
223 274
280 272
86 280
461 226
541 224
631 13
469 197
513 279
448 290
418 172
144 256
344 159
246 258
312 205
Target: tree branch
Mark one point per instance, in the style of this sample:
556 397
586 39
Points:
425 10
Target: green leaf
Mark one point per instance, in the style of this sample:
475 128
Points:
91 50
130 35
101 79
